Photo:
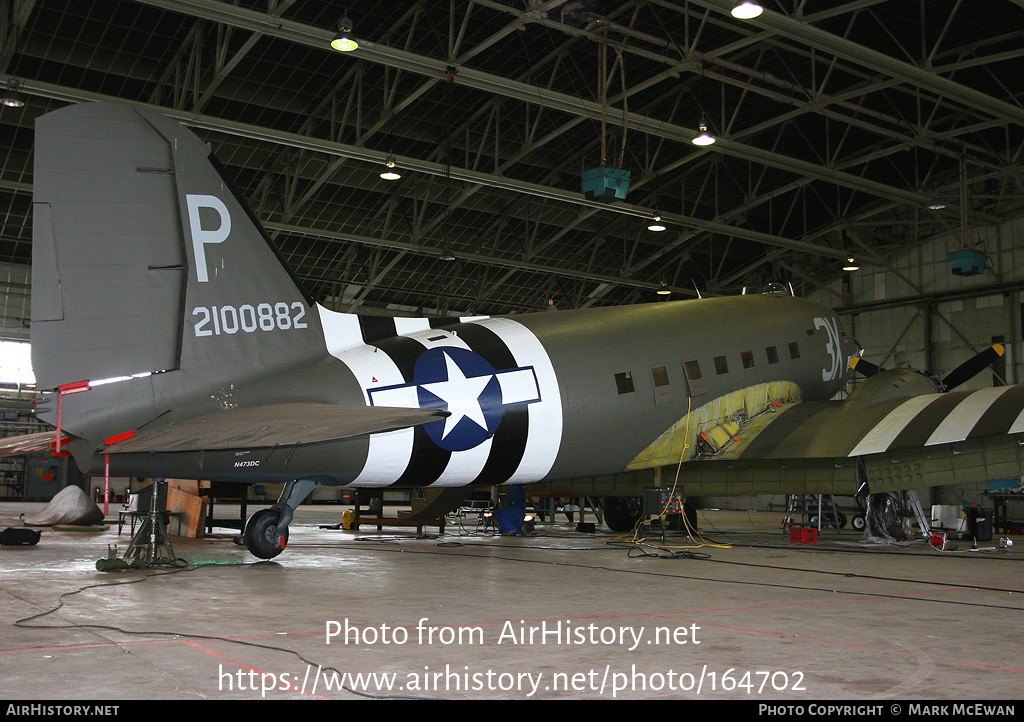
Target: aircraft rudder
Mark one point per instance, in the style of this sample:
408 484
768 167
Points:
147 259
107 283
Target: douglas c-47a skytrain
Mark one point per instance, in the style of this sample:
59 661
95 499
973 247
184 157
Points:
147 265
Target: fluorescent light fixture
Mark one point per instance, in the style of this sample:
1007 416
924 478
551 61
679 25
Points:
746 10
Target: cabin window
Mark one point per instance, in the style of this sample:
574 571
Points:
794 350
624 382
773 354
692 370
660 376
748 359
721 365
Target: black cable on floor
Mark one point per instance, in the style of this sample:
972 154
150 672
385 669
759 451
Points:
21 623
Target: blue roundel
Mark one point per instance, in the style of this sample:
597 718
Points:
464 384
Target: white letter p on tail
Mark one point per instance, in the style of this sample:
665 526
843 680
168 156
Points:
201 237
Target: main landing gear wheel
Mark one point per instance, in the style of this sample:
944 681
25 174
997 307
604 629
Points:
261 537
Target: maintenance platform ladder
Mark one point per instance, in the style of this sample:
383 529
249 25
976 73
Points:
809 507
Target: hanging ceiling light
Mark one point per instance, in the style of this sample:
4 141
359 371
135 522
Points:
446 254
703 138
13 97
656 224
664 290
851 265
389 173
746 10
937 203
342 42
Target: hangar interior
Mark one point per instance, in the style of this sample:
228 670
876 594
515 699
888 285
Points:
888 133
867 154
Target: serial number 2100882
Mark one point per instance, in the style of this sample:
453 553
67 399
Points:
217 320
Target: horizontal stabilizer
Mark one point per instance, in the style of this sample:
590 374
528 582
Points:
266 426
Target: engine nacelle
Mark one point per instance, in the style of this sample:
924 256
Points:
891 386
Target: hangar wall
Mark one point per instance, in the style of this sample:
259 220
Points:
918 313
15 306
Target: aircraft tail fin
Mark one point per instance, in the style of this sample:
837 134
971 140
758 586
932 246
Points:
145 260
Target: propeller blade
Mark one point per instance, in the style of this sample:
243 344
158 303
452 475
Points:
863 366
972 366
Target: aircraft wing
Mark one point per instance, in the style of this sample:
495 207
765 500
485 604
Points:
266 426
885 434
836 429
910 442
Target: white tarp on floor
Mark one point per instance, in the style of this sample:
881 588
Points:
70 505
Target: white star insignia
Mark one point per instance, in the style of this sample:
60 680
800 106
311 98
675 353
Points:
461 394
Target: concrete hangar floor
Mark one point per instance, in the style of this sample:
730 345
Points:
474 616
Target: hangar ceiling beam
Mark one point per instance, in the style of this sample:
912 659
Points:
74 95
827 42
497 85
421 249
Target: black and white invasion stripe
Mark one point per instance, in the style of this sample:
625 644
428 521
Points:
382 353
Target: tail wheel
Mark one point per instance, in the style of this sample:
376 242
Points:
261 537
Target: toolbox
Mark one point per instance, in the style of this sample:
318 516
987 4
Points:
803 535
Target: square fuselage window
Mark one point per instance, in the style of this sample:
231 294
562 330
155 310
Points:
721 365
748 359
624 382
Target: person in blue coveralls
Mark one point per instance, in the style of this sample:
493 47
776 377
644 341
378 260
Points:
511 511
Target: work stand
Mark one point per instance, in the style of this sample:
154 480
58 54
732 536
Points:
817 510
151 546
